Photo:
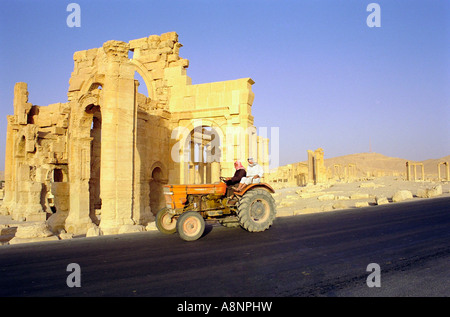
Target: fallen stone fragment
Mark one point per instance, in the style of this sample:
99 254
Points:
381 200
430 192
402 195
33 230
93 231
326 197
339 205
151 226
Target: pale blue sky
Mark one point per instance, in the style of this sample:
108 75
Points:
321 74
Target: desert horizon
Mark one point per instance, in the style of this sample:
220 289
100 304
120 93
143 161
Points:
379 161
372 161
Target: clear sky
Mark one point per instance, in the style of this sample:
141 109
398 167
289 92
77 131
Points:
322 76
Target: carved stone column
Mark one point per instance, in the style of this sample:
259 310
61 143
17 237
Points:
118 139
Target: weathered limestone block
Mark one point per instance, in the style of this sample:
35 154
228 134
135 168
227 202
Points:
154 39
169 36
21 104
93 232
7 230
139 44
151 226
184 63
34 200
33 230
402 195
79 56
430 192
91 54
28 204
150 60
117 50
326 197
78 221
172 58
340 205
381 200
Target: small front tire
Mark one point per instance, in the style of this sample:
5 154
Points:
165 222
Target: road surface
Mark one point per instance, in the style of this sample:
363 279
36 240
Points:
324 254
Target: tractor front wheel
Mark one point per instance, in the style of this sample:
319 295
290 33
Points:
256 210
165 222
190 226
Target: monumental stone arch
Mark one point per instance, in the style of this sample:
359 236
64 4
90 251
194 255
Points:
102 157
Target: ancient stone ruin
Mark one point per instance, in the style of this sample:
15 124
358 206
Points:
102 157
300 174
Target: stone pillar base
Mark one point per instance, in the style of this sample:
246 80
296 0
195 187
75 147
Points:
109 227
77 227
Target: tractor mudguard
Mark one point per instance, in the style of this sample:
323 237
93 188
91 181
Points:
257 185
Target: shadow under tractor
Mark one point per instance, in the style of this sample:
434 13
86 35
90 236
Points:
188 206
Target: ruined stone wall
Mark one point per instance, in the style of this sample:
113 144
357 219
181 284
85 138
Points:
295 174
36 155
313 171
101 158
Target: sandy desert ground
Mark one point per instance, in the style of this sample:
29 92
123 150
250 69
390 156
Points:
344 195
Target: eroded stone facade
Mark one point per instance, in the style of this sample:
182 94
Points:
102 157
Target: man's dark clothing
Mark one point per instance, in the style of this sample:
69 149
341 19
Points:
237 177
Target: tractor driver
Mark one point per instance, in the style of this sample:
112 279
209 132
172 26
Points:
240 172
254 174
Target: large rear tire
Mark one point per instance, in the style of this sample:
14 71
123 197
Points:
165 222
256 210
190 226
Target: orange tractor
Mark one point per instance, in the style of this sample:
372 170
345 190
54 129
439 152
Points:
188 206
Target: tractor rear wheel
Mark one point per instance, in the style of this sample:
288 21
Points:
165 222
256 210
190 226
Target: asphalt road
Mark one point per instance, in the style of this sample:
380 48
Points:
323 254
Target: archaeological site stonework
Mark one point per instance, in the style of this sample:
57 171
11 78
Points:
101 158
299 174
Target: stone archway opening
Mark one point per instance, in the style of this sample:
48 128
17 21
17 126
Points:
157 201
204 153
